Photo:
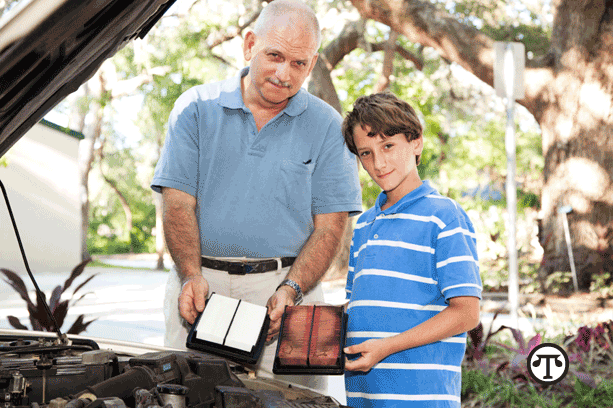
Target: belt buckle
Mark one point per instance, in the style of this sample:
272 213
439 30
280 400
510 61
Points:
240 268
236 269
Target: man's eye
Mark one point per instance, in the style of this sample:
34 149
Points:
364 154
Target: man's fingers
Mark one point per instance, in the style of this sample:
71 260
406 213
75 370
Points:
192 298
200 291
186 309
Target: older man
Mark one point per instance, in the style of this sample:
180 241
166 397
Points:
256 181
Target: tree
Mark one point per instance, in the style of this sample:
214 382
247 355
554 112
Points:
568 81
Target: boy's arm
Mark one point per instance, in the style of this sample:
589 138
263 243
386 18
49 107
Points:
460 316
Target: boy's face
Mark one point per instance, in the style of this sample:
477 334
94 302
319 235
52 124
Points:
390 161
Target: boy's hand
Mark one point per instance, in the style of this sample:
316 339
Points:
372 351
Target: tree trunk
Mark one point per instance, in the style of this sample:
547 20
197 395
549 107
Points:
577 128
387 70
570 93
124 205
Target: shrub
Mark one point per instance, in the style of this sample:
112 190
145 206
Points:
59 308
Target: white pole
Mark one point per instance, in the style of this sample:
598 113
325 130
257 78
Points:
510 186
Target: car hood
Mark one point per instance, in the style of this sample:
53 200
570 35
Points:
48 48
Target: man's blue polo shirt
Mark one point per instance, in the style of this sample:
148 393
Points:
256 191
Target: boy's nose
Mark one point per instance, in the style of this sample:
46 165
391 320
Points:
379 162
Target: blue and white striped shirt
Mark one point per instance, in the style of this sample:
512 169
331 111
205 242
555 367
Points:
406 262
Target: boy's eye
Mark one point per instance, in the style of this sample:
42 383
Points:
389 146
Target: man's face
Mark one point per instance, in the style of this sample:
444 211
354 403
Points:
281 60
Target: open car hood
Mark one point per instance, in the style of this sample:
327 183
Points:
48 48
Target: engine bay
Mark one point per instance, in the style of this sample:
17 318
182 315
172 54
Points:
44 372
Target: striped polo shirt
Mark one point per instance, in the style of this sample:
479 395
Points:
406 262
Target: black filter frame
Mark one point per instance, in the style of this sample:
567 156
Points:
221 350
336 369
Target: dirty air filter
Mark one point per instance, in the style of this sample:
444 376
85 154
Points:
230 328
311 340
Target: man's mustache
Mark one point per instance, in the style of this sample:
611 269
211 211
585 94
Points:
279 83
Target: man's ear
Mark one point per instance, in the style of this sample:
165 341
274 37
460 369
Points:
249 45
313 62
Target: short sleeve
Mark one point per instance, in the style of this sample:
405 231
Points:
178 164
457 263
351 271
335 183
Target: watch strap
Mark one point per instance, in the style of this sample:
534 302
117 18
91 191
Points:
292 284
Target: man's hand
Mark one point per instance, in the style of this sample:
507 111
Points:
192 298
372 351
284 296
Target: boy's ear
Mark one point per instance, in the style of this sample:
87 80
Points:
418 145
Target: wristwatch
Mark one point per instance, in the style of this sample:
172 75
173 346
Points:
294 286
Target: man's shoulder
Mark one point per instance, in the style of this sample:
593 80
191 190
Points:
205 92
318 106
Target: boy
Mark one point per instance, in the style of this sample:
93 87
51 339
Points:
413 284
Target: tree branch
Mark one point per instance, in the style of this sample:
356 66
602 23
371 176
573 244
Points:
421 22
217 38
403 52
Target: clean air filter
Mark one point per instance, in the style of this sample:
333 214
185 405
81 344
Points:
230 328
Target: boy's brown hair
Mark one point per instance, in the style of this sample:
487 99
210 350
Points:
386 114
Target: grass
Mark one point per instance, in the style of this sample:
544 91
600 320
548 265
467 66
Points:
99 264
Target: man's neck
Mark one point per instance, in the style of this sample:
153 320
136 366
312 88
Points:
262 110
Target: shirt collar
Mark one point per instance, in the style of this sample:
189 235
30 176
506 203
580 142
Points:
423 190
231 96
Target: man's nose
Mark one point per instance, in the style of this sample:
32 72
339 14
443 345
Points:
283 71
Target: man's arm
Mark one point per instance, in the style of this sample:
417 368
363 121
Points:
313 261
183 240
460 316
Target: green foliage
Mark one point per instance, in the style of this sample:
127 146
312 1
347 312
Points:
587 397
500 379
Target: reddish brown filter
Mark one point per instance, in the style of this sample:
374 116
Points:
294 338
325 337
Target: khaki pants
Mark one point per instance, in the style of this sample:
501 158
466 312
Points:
254 288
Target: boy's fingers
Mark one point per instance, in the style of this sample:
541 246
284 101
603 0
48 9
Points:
355 349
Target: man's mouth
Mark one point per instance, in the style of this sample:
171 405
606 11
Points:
278 83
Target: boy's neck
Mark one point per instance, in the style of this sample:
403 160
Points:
396 195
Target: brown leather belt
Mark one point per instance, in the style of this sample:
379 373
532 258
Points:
243 268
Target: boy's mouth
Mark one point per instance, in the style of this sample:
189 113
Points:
384 175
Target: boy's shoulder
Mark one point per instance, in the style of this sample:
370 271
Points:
366 216
444 208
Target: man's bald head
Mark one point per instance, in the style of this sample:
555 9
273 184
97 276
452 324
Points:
295 11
